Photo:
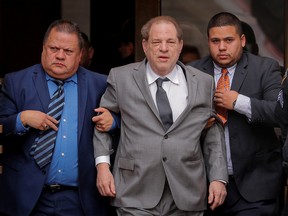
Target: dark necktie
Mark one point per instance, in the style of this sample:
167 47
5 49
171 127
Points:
163 104
223 83
43 146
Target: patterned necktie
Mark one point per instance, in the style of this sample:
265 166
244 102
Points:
163 104
223 84
43 146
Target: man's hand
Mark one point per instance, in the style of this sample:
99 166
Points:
38 120
105 180
103 120
225 98
217 194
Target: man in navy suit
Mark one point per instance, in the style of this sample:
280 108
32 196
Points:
66 186
253 150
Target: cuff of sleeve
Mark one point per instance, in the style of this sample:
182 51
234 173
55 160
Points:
224 182
102 159
20 128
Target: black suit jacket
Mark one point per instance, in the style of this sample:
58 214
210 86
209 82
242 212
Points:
255 148
22 181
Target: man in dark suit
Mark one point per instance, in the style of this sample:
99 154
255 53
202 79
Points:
253 150
66 186
281 113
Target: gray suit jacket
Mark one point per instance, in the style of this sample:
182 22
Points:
147 156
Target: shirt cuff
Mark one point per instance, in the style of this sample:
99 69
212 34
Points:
224 182
20 129
102 159
243 106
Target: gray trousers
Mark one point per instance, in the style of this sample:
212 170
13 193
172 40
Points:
166 207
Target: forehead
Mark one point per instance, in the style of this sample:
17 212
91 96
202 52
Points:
222 31
62 38
163 29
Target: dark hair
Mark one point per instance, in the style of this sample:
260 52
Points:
86 40
127 33
225 19
65 26
191 49
251 44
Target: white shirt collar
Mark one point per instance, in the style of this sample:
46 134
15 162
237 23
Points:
172 76
217 69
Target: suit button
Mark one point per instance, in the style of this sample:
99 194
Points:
165 136
164 159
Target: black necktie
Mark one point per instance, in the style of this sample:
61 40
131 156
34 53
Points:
43 146
163 104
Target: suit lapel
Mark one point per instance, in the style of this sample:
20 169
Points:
192 83
41 87
142 83
239 74
82 99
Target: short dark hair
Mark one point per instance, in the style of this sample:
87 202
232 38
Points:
251 44
65 26
225 19
86 40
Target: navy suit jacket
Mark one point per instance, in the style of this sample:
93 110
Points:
22 181
255 148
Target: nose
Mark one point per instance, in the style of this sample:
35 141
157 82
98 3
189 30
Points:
60 53
222 45
163 46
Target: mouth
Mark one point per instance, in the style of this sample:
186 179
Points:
223 56
57 64
163 58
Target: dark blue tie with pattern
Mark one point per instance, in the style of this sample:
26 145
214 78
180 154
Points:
43 146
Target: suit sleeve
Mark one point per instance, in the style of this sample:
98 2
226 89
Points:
281 114
263 108
102 142
214 148
8 107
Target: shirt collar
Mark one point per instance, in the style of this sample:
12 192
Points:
217 69
172 76
72 79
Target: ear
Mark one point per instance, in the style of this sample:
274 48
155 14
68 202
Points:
91 52
144 45
181 45
243 40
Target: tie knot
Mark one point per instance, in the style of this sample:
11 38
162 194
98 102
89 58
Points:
224 71
159 81
59 83
60 88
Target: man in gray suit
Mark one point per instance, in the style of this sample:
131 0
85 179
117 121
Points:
160 171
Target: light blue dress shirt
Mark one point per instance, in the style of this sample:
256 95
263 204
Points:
64 165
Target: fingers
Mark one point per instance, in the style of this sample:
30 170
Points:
105 181
101 110
217 194
51 123
103 120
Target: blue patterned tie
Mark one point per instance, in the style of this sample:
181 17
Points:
163 104
43 146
